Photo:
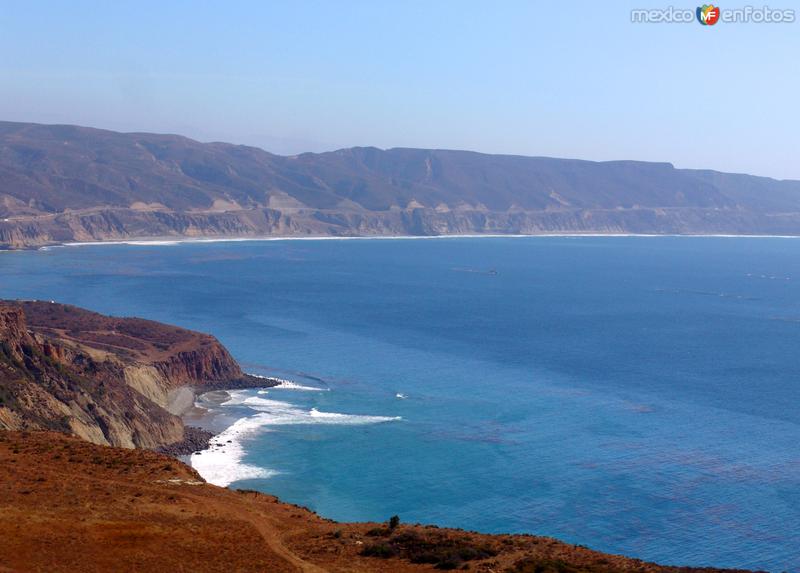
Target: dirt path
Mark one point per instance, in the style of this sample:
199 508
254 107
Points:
272 538
208 500
244 510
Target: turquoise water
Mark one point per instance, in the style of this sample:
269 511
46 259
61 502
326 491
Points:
637 395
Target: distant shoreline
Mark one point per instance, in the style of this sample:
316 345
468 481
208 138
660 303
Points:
171 241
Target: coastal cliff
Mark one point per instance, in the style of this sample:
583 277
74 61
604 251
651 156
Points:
127 224
107 380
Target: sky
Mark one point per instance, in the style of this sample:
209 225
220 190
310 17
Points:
563 79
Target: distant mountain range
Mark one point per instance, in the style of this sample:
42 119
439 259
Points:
68 183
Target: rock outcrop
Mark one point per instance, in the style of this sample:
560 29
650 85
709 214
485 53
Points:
107 380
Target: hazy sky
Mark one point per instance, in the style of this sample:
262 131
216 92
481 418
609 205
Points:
567 79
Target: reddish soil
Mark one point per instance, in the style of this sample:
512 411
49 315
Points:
68 505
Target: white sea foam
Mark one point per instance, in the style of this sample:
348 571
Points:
172 242
289 385
142 243
221 464
235 398
279 413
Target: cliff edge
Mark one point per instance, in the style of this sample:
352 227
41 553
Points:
107 380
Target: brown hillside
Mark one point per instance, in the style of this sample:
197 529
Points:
108 380
71 506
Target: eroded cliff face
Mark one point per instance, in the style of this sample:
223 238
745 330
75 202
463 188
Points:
104 379
12 330
210 362
129 224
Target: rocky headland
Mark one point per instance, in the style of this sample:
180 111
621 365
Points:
110 381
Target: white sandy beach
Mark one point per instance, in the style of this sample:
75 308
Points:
160 241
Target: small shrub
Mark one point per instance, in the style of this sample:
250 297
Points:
381 550
468 553
444 552
449 563
426 557
534 565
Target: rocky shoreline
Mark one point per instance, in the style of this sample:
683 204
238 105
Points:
197 438
194 439
243 383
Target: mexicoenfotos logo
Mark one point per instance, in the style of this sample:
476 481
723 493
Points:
707 14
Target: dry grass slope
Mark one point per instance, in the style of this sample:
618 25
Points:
70 506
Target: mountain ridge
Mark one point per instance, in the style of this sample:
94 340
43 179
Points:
62 183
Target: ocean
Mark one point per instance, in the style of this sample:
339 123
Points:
637 395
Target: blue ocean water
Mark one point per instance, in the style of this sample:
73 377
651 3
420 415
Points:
638 395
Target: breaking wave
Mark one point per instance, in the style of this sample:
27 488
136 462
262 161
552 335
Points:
222 463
